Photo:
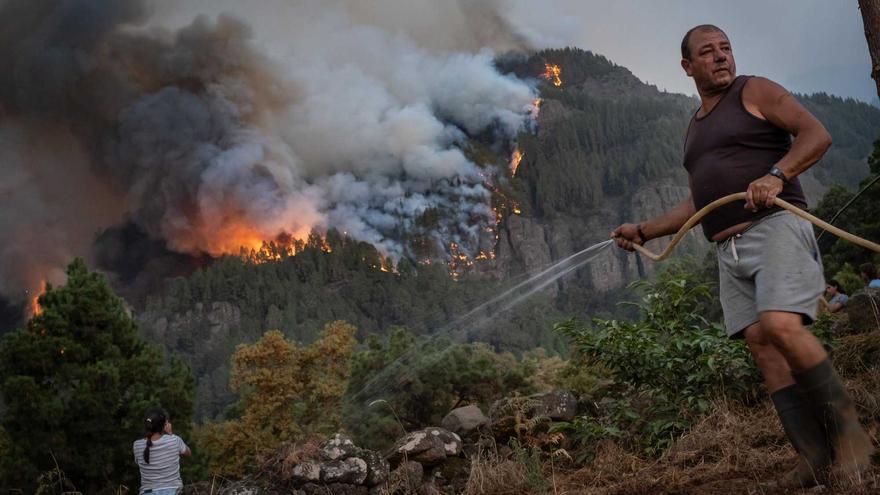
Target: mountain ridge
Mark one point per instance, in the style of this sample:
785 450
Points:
607 149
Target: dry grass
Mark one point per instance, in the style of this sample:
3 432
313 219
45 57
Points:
292 454
733 444
494 475
855 354
736 449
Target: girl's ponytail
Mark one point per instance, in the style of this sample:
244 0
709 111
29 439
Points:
147 449
155 423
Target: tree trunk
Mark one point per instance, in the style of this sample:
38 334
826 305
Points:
871 18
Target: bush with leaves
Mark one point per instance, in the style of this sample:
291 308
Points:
287 391
668 366
859 218
75 384
403 383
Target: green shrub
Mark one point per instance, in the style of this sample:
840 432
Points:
403 383
849 278
531 460
668 366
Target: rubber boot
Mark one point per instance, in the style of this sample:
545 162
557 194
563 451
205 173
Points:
806 435
833 407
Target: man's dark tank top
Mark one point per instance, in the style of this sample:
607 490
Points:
727 149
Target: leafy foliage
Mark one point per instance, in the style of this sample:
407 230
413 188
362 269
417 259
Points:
532 463
287 391
401 382
604 137
235 300
611 134
76 382
667 366
853 126
860 218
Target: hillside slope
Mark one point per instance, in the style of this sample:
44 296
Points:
607 150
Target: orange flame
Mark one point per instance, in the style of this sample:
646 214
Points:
535 109
552 73
284 246
461 263
514 160
36 309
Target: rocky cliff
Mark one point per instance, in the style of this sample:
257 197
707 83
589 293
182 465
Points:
608 150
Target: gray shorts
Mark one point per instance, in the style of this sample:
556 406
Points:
774 265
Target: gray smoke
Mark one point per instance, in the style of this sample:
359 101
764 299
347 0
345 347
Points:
211 140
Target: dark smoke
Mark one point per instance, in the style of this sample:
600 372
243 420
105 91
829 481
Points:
206 144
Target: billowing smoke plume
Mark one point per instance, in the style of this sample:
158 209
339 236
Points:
211 141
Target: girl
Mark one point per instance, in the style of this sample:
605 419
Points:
158 456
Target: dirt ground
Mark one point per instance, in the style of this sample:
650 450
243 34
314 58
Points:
736 450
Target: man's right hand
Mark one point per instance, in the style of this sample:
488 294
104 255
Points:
626 235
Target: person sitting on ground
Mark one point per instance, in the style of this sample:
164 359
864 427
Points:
869 275
837 298
158 456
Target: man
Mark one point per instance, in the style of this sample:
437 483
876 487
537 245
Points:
769 267
837 299
869 274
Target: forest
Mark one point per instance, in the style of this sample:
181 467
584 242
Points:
262 356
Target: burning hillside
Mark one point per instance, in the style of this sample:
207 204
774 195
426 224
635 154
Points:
210 142
34 307
552 73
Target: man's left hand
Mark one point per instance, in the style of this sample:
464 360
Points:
762 192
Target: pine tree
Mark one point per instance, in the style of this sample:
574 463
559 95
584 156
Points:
76 382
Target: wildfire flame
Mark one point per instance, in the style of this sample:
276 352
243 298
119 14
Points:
284 246
287 246
552 73
35 307
515 159
462 263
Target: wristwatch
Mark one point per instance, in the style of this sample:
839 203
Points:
779 174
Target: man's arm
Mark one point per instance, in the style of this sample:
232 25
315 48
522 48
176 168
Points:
668 223
767 100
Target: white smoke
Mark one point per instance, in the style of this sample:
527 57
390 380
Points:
211 139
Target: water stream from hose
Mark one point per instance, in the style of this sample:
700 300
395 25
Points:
398 373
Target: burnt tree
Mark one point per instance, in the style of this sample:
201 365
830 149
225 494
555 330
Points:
871 18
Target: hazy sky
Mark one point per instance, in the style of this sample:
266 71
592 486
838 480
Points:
806 45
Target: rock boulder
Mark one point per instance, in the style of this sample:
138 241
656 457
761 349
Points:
464 420
338 448
352 471
863 309
428 446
